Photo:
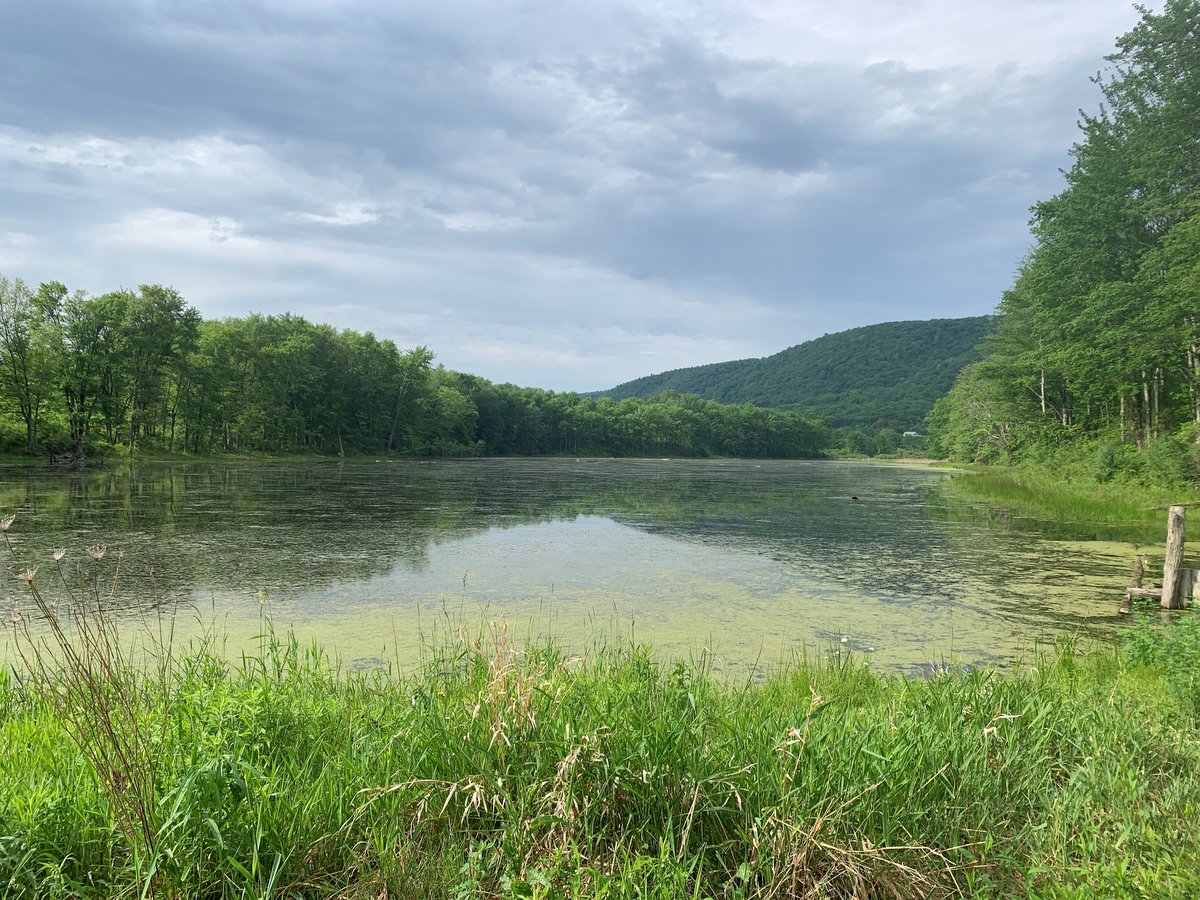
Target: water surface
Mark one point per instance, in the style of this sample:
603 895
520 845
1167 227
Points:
749 561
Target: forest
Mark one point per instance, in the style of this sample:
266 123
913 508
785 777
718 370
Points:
1096 353
141 370
884 376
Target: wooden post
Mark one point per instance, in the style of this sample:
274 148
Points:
1171 594
1189 586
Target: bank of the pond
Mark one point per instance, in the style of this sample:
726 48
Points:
1066 498
522 772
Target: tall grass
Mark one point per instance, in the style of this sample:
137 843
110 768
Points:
504 771
1120 511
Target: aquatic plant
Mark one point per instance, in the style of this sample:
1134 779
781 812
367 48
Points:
1086 508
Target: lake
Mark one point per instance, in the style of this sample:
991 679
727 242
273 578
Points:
747 562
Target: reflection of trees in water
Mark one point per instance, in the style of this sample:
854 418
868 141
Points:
244 526
877 544
189 529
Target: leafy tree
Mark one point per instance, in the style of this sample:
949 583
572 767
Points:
158 328
409 388
87 332
982 419
28 362
1102 327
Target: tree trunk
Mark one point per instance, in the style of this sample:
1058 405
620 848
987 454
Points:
1147 426
396 418
1173 563
1194 379
1158 390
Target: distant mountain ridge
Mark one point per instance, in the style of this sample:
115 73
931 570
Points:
892 372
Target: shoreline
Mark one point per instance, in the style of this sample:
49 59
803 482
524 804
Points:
604 775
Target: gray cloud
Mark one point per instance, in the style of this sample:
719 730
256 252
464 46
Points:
543 193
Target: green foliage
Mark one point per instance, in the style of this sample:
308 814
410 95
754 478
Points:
854 379
1174 649
980 419
128 370
1100 336
27 355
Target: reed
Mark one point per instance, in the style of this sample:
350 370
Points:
1119 511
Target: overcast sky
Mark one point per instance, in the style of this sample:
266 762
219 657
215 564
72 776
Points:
559 194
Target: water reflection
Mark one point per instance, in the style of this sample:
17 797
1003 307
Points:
755 560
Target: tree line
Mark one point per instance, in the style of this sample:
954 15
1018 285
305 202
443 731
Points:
142 369
1098 340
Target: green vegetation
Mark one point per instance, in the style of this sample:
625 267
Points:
140 370
499 771
1108 511
1097 348
881 376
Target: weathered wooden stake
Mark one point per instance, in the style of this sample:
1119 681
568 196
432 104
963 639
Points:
1189 585
1172 596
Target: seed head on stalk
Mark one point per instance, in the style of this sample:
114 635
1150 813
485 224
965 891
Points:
5 524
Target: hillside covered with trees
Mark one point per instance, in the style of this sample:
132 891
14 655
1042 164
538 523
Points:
81 375
1097 348
889 374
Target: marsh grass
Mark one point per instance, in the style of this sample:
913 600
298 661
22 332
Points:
104 696
1118 511
513 769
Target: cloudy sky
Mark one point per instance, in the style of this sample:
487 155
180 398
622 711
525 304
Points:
561 194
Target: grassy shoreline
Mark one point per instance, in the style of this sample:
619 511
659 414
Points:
1121 510
504 771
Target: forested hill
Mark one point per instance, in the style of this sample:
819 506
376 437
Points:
892 372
